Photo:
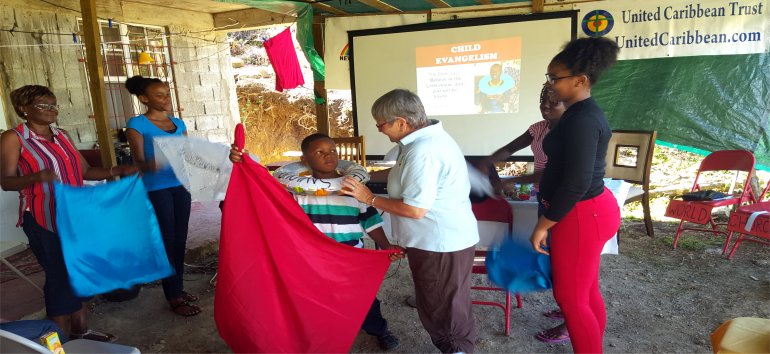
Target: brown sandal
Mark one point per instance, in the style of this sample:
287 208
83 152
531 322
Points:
185 308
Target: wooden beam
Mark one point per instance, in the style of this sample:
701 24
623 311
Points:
137 12
96 81
538 6
326 8
379 5
239 20
438 3
319 87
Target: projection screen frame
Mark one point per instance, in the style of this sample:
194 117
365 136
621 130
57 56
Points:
482 21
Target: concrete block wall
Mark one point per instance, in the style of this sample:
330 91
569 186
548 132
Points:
206 85
203 75
46 59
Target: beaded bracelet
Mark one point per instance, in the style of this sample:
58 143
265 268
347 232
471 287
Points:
371 202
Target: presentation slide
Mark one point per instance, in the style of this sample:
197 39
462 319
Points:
469 78
480 77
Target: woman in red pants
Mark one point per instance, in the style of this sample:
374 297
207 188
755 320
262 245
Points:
580 212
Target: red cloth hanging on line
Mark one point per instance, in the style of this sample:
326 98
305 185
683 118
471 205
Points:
283 57
283 286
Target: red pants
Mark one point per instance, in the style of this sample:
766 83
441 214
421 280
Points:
576 245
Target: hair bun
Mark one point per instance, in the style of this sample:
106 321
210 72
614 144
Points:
135 85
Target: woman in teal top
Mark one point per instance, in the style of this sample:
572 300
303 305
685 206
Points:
169 198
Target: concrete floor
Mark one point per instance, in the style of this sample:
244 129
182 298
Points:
20 300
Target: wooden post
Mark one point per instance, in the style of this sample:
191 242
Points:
538 6
96 81
319 87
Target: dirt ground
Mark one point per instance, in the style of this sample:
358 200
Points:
658 300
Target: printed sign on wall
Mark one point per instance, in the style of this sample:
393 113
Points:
659 29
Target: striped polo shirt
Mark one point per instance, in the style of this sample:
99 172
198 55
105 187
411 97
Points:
342 218
37 154
538 131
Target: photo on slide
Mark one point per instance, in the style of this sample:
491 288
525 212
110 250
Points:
470 78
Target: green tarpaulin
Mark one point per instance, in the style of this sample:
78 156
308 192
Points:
699 104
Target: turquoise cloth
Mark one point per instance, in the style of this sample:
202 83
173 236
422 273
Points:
110 236
517 267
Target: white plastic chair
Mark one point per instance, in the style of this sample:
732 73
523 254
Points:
12 343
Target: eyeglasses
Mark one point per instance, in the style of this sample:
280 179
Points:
46 107
551 79
380 125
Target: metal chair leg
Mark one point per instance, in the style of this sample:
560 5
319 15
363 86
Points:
20 274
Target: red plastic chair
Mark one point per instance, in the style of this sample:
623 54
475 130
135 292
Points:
699 212
495 218
759 229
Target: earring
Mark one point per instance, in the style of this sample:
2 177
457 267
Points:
25 113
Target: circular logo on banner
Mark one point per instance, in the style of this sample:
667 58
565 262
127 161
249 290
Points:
597 23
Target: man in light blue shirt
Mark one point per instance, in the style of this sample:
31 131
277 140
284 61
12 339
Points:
431 216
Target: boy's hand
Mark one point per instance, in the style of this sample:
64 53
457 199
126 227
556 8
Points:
395 255
236 155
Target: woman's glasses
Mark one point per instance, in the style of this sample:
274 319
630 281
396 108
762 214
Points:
552 79
46 107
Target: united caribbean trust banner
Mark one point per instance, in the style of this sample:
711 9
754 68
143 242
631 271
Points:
659 29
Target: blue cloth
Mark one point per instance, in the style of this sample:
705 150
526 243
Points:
110 236
517 267
164 177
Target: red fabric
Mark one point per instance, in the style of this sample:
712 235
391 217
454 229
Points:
283 286
283 57
493 209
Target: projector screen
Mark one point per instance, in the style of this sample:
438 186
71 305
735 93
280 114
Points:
480 77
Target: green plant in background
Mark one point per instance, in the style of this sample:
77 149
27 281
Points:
693 243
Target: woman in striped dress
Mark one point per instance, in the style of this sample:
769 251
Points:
34 154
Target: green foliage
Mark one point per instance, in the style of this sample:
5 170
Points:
693 242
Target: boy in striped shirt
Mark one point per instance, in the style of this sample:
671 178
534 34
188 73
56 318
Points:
345 220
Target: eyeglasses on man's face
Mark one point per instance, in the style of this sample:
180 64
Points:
46 107
380 125
552 79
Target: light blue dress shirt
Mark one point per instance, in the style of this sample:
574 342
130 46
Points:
430 173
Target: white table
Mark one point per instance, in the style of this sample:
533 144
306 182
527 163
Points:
525 218
525 213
